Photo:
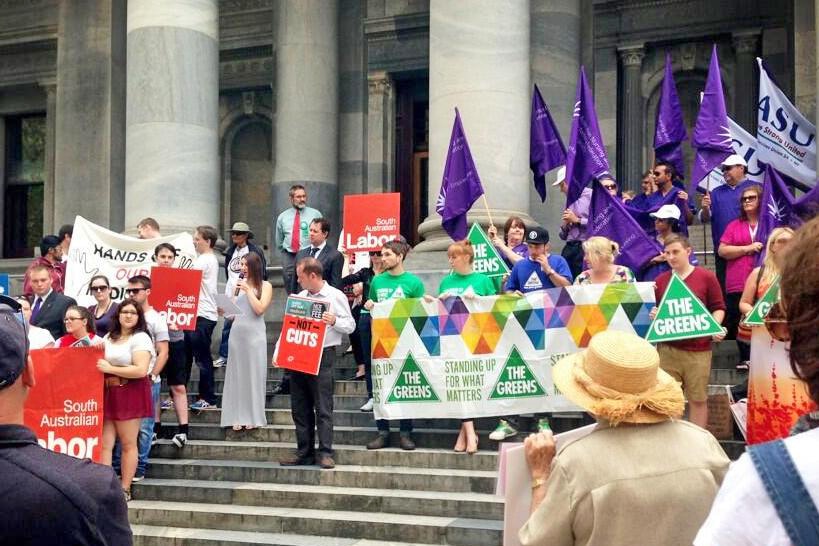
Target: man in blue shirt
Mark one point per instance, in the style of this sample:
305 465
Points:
721 205
541 270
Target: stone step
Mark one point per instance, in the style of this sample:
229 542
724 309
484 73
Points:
322 497
282 401
255 455
346 524
151 535
344 475
341 387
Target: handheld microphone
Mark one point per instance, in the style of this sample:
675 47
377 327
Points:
236 292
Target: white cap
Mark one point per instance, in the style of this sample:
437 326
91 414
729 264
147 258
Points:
734 159
561 176
667 211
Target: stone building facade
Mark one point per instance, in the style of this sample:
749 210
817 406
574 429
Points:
206 111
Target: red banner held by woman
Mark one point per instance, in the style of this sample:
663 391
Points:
64 408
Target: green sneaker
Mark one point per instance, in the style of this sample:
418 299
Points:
503 431
543 425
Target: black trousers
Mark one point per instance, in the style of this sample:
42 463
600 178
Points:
573 252
311 404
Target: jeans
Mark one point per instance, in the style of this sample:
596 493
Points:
146 432
197 343
223 345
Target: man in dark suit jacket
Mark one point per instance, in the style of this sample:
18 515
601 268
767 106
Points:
47 306
330 258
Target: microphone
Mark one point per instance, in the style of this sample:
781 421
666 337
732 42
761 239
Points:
236 292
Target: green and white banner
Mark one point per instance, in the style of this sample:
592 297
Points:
491 356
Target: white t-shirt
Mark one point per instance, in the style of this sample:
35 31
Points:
158 329
38 337
233 268
210 275
119 354
742 513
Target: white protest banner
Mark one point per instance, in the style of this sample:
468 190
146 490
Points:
491 356
786 138
744 144
98 251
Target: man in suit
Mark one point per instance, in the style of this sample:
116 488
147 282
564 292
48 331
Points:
331 259
47 306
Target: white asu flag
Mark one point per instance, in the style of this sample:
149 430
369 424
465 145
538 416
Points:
745 145
786 139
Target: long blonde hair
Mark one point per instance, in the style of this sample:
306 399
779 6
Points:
769 267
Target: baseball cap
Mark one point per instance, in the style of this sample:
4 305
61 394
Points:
537 235
13 342
561 176
667 211
734 159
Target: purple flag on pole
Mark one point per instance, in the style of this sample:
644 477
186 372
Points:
669 132
780 208
608 218
460 186
546 149
712 136
586 156
643 215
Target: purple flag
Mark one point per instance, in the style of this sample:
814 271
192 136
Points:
712 136
460 186
669 132
586 156
780 208
643 215
608 218
546 149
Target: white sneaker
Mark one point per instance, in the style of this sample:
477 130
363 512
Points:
503 431
219 362
179 440
368 405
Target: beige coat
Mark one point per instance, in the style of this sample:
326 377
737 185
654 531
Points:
630 485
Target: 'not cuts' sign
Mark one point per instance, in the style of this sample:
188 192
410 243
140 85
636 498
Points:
302 338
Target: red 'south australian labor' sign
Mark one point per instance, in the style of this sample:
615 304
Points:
371 220
64 409
302 339
175 295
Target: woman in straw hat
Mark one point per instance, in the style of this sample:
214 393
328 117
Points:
743 512
641 476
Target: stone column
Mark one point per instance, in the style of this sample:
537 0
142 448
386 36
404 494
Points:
630 149
479 62
557 45
306 123
380 132
746 79
172 160
48 185
352 99
90 105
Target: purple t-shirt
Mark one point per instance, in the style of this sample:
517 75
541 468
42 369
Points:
105 322
738 233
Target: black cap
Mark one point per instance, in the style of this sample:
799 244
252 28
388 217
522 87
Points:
13 342
537 235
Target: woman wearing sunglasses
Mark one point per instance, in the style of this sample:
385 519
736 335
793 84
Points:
740 249
79 327
105 309
127 398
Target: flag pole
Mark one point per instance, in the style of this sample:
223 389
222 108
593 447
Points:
486 204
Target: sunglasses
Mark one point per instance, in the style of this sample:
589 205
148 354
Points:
99 288
610 186
749 198
726 168
132 291
238 233
657 173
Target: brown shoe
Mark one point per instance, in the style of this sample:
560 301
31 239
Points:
406 443
326 462
380 441
295 460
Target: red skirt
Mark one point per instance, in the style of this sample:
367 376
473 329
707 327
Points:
129 401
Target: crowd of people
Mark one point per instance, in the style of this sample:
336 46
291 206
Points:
140 348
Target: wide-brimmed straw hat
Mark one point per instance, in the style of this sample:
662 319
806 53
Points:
618 378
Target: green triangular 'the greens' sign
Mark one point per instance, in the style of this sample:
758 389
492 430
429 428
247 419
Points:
757 315
487 258
412 385
681 315
516 379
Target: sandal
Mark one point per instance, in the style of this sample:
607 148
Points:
237 428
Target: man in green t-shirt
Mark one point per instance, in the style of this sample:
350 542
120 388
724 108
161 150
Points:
393 283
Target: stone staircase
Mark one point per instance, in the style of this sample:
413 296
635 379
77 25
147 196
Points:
227 488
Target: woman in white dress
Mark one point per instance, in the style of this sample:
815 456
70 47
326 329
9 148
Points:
246 378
